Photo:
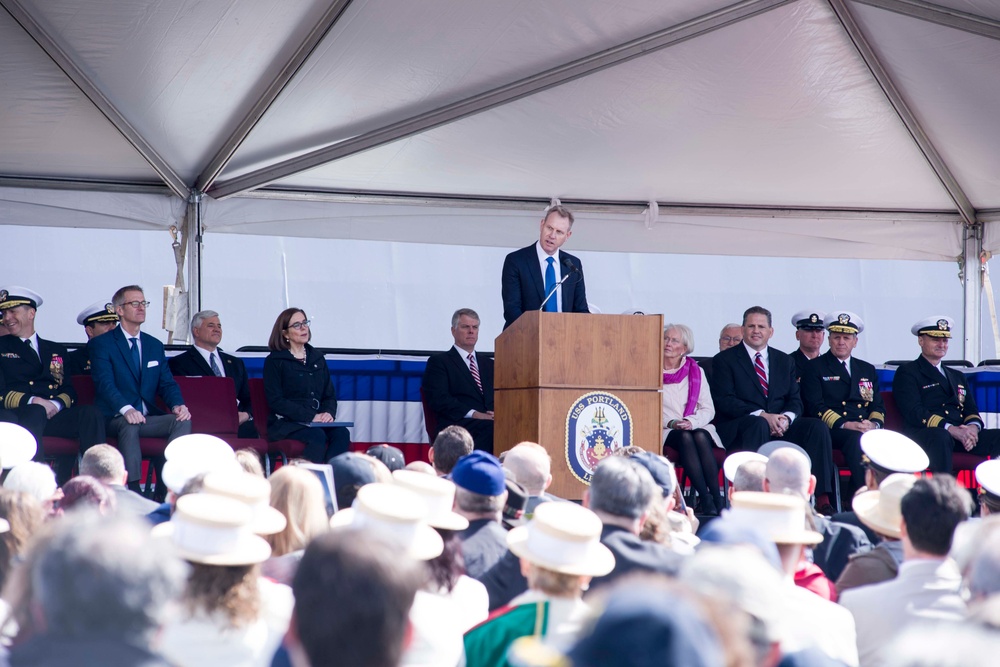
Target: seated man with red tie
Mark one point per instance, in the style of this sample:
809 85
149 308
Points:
205 358
34 384
757 399
458 384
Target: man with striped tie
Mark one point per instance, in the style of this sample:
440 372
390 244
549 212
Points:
458 384
757 399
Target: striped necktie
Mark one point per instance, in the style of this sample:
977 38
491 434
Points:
758 365
475 371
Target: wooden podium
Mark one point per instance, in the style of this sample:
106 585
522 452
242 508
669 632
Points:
550 368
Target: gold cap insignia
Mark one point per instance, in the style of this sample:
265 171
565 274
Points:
844 318
942 325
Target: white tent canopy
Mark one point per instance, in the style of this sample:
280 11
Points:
801 128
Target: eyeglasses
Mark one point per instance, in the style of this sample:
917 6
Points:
730 339
136 304
298 326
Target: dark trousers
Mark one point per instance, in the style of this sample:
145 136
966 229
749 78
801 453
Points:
940 446
79 422
322 444
156 426
749 433
849 442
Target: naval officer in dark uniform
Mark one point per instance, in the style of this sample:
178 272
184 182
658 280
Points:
34 384
936 403
97 318
809 332
843 391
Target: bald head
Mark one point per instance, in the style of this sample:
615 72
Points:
530 466
788 472
750 476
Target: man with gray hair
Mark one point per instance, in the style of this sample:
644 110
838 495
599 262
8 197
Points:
111 614
620 493
206 358
105 464
530 465
787 472
458 384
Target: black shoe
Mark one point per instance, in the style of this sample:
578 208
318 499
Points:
707 507
826 509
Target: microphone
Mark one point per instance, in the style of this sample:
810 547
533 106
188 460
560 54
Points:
570 265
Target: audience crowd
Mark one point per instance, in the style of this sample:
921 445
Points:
470 559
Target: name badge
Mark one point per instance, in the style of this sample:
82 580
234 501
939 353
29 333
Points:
154 362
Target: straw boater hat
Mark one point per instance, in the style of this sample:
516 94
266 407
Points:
395 512
880 510
736 459
889 452
438 495
563 537
213 530
252 491
17 445
196 454
782 518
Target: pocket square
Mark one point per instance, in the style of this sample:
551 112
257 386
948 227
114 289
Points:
154 362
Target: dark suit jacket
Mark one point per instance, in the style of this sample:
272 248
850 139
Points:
840 542
24 374
801 361
450 390
632 554
523 286
831 395
296 392
116 382
78 362
925 399
191 363
736 390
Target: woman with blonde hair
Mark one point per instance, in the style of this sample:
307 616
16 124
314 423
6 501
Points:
298 495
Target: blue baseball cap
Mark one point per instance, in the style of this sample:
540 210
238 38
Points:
660 468
480 473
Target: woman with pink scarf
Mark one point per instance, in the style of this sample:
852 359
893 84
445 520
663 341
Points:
687 411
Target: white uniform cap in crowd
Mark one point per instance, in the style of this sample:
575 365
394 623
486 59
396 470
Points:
936 326
843 321
811 320
889 452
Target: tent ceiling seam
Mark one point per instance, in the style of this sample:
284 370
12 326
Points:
86 86
910 122
498 96
950 18
302 54
603 206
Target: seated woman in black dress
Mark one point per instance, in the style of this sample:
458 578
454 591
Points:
299 390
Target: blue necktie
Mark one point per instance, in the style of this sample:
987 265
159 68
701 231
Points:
135 355
215 366
552 305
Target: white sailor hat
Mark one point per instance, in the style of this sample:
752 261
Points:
13 296
810 320
843 321
936 326
736 459
889 452
988 476
99 311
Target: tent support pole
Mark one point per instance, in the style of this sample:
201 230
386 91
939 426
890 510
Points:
972 284
195 242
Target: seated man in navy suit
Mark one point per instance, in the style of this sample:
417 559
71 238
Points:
130 371
757 399
206 358
458 384
34 384
531 274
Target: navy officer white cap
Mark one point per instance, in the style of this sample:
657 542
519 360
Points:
736 459
99 311
12 296
988 476
808 319
893 452
843 321
937 326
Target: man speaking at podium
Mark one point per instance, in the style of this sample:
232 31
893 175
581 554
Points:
531 274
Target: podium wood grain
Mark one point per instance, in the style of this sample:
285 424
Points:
546 361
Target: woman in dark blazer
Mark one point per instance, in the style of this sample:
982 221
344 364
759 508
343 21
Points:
299 390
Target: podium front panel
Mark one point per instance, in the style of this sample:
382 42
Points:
577 427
